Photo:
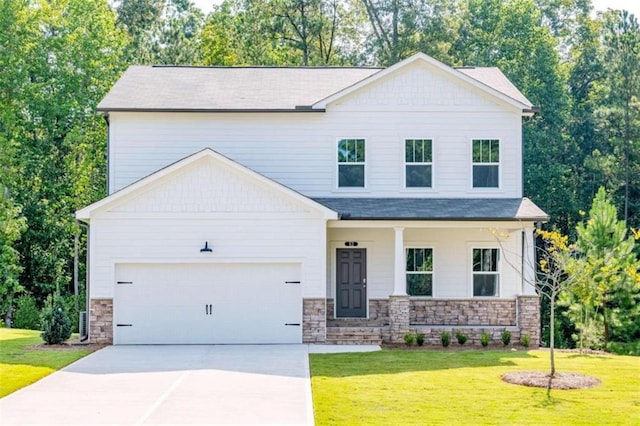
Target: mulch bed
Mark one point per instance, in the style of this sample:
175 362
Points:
539 379
69 346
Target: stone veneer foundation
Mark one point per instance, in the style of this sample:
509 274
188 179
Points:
399 315
314 320
101 321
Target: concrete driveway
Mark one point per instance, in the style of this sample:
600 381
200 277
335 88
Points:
266 384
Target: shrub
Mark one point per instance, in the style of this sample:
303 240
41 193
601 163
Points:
56 326
525 340
485 338
409 338
26 314
624 348
445 338
420 339
461 337
506 337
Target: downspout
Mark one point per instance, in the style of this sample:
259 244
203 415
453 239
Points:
75 275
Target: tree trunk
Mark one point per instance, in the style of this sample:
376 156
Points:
552 343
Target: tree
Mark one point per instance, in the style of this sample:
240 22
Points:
400 28
61 58
11 226
621 39
607 278
161 31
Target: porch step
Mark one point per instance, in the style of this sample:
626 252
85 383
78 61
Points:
354 335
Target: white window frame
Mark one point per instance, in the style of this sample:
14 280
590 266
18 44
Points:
338 164
498 164
432 272
405 164
497 273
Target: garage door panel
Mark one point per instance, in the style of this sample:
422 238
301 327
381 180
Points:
250 303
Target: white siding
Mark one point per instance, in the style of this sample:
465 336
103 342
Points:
299 149
452 258
171 221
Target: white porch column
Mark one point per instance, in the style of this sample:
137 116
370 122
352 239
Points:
528 262
399 282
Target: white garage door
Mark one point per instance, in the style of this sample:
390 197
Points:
205 304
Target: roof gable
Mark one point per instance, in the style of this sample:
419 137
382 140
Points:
504 91
205 182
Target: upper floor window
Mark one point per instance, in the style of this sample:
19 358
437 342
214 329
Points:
486 274
351 173
486 163
419 271
418 157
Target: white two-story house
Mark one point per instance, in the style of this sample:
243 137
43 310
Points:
291 205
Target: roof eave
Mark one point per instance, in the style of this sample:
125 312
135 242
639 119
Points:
298 109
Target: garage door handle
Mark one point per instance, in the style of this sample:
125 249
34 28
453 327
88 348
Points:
297 324
208 309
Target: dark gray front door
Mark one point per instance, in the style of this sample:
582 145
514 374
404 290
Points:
351 283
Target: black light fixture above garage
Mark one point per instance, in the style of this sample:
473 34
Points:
206 248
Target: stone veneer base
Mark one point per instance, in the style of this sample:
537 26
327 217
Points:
101 321
314 324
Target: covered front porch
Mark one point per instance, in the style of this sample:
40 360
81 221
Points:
389 277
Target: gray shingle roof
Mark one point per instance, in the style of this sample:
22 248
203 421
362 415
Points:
434 208
227 88
178 88
493 77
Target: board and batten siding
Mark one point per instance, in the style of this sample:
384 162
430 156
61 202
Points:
452 248
299 149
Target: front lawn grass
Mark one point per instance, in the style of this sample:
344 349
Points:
20 366
399 387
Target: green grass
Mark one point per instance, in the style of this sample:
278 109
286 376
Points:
20 367
399 387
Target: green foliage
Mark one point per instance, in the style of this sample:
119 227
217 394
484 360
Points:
461 337
26 314
624 348
409 338
525 340
420 339
605 301
485 338
505 337
56 326
445 338
12 224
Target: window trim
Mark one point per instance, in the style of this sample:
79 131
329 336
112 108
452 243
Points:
337 166
404 166
418 245
498 273
499 164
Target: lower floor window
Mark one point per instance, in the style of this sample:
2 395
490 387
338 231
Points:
419 271
486 274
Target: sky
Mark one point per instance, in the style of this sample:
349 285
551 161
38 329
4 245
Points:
632 6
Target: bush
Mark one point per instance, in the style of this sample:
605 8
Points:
525 340
56 326
408 339
420 339
506 337
445 338
624 348
461 337
26 314
485 338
